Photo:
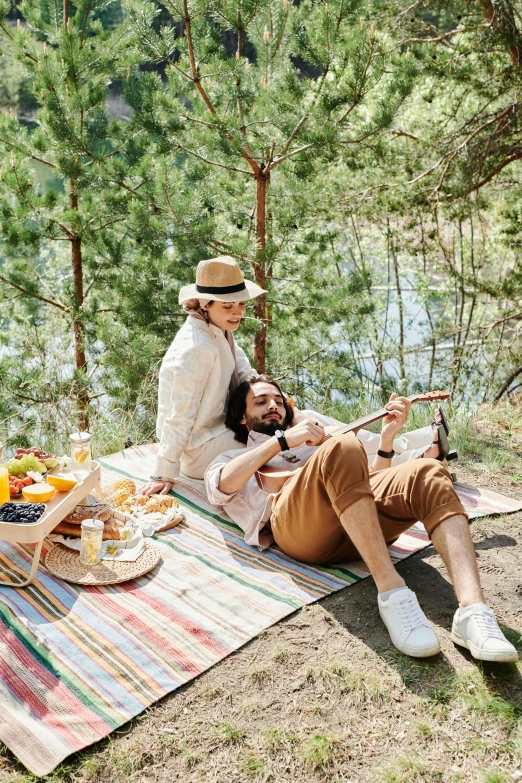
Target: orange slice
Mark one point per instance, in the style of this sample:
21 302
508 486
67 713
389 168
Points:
81 455
62 483
38 493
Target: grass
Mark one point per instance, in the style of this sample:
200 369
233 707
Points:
281 654
253 766
424 730
191 758
230 734
260 674
495 776
277 738
492 434
319 750
410 770
341 677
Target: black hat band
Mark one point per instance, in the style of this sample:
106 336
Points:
226 289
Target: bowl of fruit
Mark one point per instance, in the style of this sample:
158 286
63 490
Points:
17 484
23 464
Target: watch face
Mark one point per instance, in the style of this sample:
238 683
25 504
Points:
279 433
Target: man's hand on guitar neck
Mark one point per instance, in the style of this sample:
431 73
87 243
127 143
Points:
399 408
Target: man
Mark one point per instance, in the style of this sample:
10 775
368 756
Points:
331 507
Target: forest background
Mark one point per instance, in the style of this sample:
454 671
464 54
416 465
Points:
359 158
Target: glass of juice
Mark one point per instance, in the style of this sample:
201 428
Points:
4 486
81 453
91 542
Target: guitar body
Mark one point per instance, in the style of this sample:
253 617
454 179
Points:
272 476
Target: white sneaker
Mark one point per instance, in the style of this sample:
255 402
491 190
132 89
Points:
476 628
409 628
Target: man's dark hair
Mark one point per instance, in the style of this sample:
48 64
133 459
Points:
237 407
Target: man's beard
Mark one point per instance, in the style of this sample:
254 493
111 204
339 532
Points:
266 426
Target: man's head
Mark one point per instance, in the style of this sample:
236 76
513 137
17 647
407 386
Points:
258 404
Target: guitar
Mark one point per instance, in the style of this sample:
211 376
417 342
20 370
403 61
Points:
272 476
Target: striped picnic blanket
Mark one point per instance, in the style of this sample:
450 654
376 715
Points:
78 662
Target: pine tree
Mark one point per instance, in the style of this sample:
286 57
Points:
70 60
256 100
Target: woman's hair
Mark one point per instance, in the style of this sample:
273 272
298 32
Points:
193 307
237 407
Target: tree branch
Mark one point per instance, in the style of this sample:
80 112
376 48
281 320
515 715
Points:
35 296
511 159
192 60
27 154
277 160
215 163
507 383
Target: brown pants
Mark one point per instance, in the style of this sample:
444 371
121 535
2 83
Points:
305 517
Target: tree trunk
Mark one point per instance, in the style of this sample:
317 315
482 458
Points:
78 326
260 271
402 364
502 19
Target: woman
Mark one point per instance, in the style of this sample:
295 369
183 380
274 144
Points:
200 369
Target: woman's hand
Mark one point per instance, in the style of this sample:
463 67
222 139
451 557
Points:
155 487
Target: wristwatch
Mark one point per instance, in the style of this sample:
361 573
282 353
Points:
385 454
280 435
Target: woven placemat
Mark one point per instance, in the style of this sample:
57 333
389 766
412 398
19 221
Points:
65 564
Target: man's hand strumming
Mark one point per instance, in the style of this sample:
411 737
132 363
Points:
305 432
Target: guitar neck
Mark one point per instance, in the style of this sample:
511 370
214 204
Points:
275 473
358 424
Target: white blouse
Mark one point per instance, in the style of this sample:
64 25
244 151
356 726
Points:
193 385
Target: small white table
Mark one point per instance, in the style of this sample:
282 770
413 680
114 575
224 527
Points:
61 504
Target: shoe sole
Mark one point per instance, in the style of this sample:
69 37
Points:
481 655
414 653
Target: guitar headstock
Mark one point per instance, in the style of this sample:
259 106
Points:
430 396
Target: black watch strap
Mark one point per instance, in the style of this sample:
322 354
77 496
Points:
280 435
385 454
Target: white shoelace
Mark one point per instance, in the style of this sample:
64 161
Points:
410 613
487 624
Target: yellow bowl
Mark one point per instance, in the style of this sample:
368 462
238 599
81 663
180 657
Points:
62 483
38 493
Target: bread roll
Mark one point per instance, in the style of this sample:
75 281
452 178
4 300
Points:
111 530
76 517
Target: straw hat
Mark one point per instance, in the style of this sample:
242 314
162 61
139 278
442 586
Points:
220 278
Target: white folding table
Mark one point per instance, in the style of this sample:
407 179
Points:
61 504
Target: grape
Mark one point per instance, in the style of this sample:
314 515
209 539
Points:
25 464
14 467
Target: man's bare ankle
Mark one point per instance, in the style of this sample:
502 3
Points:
393 582
471 598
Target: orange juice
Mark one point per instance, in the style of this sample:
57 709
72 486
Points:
4 486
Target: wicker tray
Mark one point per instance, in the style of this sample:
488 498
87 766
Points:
65 564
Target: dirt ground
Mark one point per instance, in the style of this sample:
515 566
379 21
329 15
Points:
323 696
